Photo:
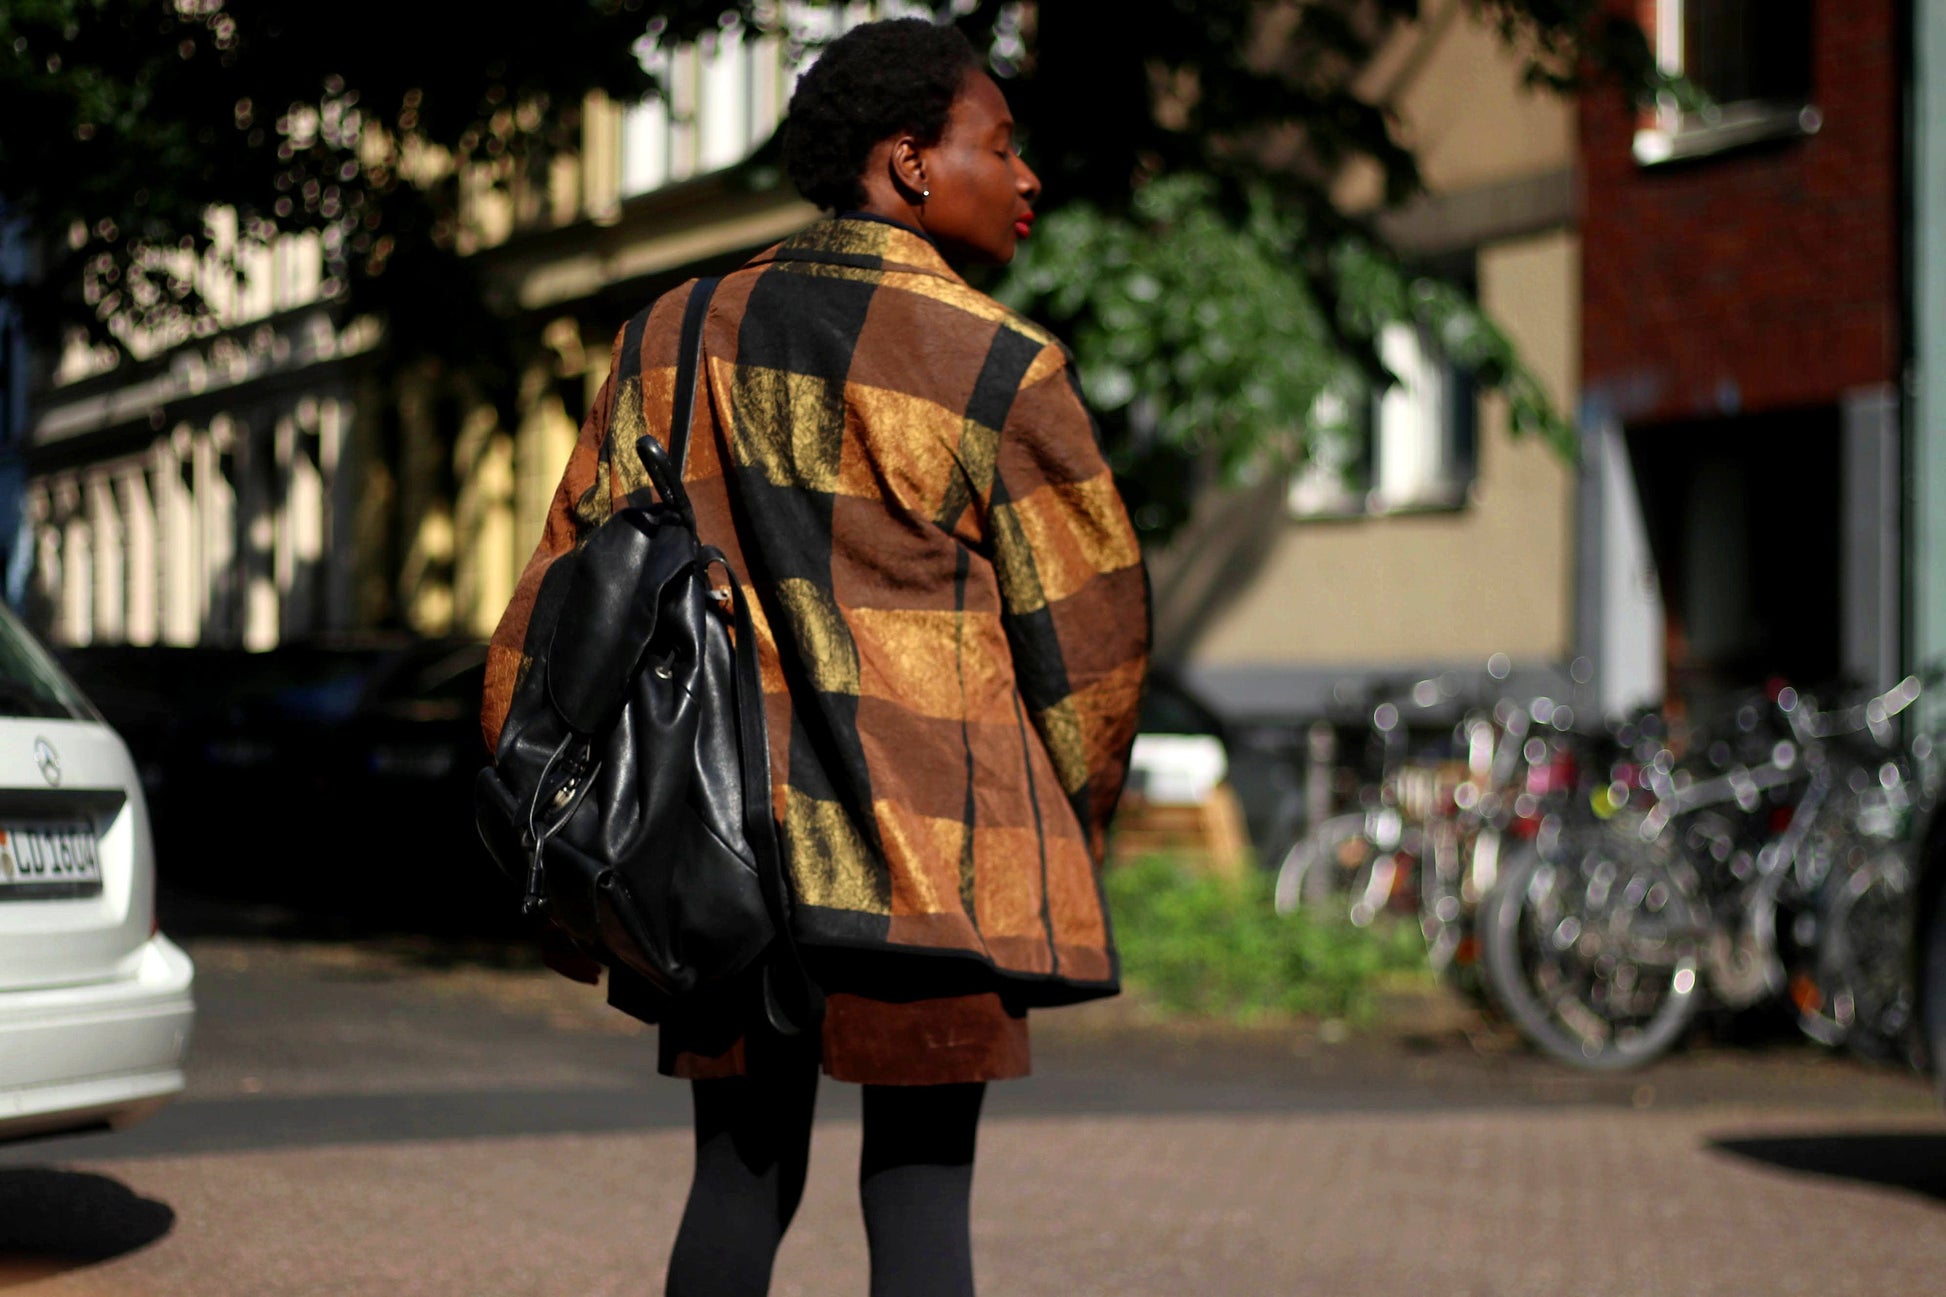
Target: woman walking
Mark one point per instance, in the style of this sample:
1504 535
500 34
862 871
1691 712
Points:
952 623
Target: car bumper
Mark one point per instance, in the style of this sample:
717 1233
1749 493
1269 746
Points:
106 1054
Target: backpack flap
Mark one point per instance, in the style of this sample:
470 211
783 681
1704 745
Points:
608 615
632 787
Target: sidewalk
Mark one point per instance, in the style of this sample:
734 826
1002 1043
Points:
1468 1204
359 1129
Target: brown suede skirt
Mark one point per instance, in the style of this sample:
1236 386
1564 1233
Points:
943 1041
886 1022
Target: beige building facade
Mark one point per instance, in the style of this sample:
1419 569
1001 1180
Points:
1267 604
271 483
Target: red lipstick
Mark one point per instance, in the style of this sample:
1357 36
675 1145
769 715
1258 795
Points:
1024 226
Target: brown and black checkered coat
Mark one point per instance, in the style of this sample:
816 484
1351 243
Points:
950 603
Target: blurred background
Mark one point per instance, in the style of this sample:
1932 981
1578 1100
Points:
1581 358
1534 411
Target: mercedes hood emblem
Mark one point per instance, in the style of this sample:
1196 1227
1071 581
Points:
49 761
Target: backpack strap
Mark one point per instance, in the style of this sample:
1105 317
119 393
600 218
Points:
628 369
665 467
688 356
792 1002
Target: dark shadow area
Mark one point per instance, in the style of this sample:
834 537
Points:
51 1221
480 911
1911 1160
321 789
490 931
191 1128
1743 518
393 945
1090 1084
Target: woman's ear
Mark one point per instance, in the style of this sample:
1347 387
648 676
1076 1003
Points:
908 165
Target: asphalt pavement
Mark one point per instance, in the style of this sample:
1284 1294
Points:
408 1116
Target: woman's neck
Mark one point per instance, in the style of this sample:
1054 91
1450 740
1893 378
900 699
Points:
867 214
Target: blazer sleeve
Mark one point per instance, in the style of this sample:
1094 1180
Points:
581 502
1074 592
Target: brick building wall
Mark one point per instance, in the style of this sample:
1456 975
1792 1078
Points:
1759 280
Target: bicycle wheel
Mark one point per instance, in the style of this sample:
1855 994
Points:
1862 996
1594 950
1322 864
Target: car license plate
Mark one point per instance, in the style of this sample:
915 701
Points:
48 860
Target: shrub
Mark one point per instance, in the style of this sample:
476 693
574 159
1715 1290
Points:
1212 946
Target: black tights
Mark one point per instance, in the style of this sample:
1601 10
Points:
753 1142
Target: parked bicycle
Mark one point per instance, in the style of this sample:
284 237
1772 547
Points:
1451 774
1772 862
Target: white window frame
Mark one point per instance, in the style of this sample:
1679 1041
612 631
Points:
727 93
1417 464
1668 133
1321 489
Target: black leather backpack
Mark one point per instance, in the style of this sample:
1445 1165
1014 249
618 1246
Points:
630 792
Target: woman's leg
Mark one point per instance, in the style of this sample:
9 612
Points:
753 1142
915 1178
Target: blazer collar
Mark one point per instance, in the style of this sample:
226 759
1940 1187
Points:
862 244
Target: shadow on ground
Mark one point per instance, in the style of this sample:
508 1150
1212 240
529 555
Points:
204 1127
477 929
1914 1161
53 1221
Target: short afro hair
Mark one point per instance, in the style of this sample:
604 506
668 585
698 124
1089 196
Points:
878 80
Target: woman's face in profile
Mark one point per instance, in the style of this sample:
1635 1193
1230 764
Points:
982 193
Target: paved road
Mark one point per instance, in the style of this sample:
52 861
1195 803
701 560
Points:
386 1118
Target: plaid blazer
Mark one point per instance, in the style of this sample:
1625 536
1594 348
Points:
951 608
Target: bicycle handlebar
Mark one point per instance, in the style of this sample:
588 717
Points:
1871 716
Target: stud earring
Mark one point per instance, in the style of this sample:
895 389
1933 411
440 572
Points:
925 195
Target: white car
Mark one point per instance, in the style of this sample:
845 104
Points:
95 1005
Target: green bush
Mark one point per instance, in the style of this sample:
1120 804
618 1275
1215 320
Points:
1211 946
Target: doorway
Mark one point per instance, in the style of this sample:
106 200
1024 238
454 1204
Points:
1743 516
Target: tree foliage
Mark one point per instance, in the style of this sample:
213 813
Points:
342 119
1213 288
1191 249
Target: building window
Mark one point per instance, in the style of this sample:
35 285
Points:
1413 447
726 93
723 96
1747 66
